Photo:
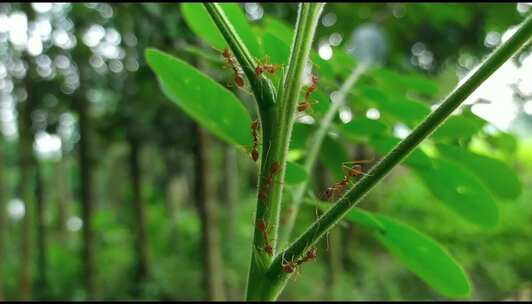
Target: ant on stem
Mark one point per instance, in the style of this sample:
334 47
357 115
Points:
305 104
275 168
255 126
266 66
231 62
292 266
337 188
263 227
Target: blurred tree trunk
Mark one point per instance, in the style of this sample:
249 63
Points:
141 238
204 193
64 196
85 156
229 188
229 195
26 191
3 200
176 188
41 280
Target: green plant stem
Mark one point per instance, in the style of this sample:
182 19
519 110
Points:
314 147
271 185
262 87
318 229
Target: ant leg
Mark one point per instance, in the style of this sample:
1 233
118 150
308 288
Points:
364 161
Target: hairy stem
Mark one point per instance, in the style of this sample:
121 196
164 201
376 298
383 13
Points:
261 86
314 147
317 230
275 153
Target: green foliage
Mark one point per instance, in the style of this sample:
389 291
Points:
487 169
209 103
469 191
295 173
424 257
460 190
202 25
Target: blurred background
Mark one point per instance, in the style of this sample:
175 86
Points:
102 178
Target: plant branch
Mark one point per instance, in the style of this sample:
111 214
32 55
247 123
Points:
275 154
317 230
314 146
261 86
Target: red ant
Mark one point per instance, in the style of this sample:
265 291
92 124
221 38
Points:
312 87
262 226
231 62
255 126
355 170
305 104
266 66
275 168
311 255
291 266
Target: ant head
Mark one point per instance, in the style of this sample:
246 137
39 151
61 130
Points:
226 52
255 124
328 193
239 81
258 71
261 225
288 267
312 253
302 106
269 250
276 167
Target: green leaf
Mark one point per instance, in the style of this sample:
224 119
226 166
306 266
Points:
276 49
284 33
363 127
295 173
424 257
460 190
401 82
203 99
383 144
279 29
403 109
201 24
301 135
503 141
365 219
342 63
496 175
456 127
355 215
332 155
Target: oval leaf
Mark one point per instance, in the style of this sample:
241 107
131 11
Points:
360 128
488 170
332 155
460 190
365 219
401 82
200 22
456 127
424 257
203 99
295 173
